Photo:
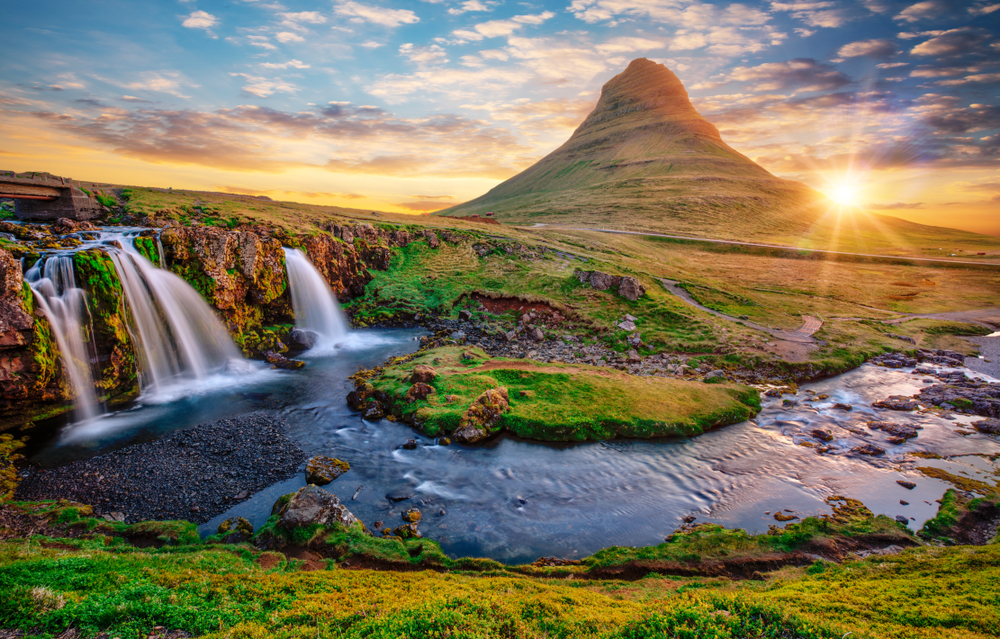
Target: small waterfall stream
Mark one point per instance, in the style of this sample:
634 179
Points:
177 336
316 308
64 305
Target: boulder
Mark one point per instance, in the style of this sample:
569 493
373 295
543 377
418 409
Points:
412 515
627 325
417 392
313 505
479 420
896 431
302 340
601 281
235 530
374 411
537 334
897 402
868 449
277 360
407 531
633 357
842 406
822 434
715 375
321 470
422 374
990 426
464 316
432 239
357 399
631 288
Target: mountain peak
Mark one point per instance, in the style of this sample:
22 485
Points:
646 86
645 158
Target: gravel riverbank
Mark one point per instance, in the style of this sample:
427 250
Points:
192 474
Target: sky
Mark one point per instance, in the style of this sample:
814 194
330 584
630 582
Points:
415 106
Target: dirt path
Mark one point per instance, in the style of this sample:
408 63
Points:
801 335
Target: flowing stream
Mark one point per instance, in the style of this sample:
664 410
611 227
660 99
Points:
509 499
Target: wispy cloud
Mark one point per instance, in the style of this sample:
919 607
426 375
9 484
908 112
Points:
201 20
358 12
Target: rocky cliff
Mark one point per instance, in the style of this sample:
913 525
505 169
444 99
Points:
240 272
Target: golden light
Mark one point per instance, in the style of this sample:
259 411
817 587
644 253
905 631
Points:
844 194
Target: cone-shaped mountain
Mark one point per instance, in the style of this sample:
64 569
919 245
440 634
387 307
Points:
646 159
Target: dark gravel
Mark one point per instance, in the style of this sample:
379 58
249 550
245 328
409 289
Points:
193 474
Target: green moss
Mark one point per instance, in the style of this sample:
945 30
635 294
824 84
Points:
564 403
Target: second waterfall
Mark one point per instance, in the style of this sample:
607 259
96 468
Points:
316 308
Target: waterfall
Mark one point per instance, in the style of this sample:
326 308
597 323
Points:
65 307
177 337
316 309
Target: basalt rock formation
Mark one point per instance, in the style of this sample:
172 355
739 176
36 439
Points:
645 158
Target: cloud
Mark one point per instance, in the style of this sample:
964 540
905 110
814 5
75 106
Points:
288 36
200 20
469 5
423 56
922 11
802 74
310 17
984 9
159 81
372 44
978 78
936 72
294 64
391 18
896 206
339 137
892 65
816 14
953 43
258 41
881 48
264 87
499 28
977 117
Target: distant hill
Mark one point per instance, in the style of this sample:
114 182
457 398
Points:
645 159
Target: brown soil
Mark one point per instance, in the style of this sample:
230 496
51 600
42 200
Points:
500 305
313 560
978 527
268 560
15 523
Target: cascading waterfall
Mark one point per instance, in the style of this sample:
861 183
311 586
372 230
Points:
316 308
177 335
65 307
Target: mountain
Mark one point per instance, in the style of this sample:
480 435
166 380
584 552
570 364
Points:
645 159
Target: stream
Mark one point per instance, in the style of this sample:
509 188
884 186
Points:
514 500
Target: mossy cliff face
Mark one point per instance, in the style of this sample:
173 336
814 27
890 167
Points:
118 380
31 384
240 273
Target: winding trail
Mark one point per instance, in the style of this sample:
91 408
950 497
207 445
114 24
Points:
781 247
801 335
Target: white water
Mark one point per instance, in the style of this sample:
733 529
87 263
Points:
177 337
316 309
65 307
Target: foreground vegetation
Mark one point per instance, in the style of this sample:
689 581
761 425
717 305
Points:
96 576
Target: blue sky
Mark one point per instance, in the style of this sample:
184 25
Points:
412 106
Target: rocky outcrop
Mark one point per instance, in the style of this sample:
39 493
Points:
30 383
627 286
321 470
313 505
479 420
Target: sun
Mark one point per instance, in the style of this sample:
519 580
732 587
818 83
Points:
844 194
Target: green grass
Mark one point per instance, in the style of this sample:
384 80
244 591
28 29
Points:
563 402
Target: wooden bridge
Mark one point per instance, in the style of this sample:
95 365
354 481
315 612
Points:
40 196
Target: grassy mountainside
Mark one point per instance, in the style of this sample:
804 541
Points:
645 160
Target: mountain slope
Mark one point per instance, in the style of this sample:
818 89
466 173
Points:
646 160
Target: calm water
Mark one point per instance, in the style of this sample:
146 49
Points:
515 500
